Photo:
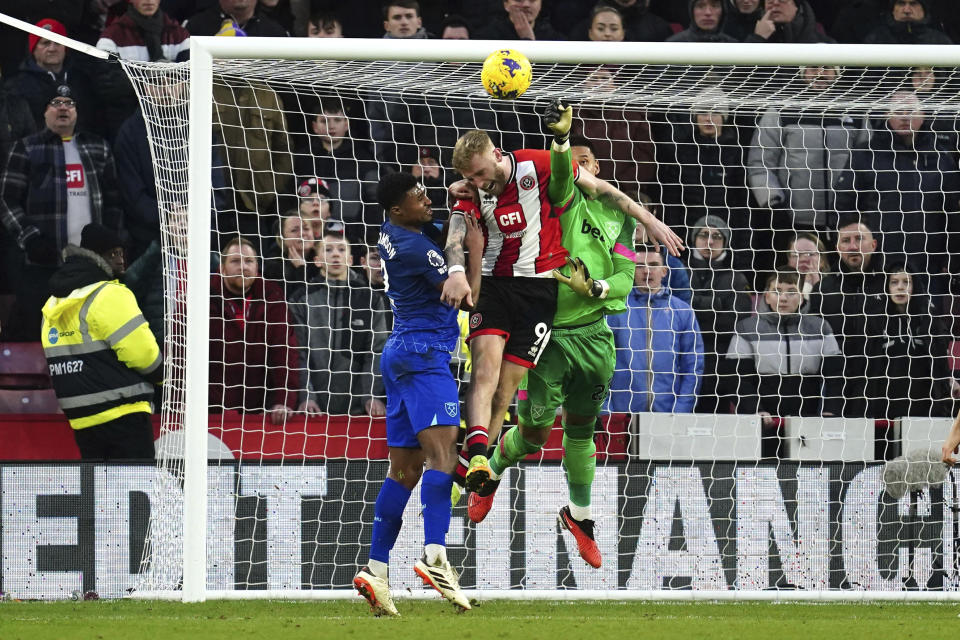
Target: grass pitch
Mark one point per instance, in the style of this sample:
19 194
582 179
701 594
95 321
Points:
492 620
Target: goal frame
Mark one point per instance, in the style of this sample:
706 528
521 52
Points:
204 50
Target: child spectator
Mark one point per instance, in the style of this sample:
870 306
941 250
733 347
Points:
341 328
784 358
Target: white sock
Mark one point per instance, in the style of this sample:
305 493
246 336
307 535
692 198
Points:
580 513
435 552
379 569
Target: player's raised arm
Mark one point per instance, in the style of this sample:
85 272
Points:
657 231
559 119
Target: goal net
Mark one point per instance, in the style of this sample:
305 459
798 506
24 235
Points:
750 418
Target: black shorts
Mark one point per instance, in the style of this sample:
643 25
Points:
519 309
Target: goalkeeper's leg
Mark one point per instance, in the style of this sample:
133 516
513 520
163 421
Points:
585 391
580 464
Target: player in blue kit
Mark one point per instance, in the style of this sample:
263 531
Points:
423 410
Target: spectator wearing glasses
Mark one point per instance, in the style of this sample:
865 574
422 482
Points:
807 255
56 182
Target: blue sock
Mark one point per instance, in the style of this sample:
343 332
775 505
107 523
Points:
388 518
435 497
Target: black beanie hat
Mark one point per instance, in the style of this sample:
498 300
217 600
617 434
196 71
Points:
99 239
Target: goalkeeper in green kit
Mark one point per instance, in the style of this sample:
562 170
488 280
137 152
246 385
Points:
575 369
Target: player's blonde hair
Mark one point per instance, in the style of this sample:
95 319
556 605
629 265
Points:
470 144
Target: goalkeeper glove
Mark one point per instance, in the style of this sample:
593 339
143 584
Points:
559 118
580 280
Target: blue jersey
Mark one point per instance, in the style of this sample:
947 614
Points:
413 266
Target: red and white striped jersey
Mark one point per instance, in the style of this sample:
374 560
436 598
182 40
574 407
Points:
522 228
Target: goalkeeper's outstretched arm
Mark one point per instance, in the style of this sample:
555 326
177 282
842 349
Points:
559 119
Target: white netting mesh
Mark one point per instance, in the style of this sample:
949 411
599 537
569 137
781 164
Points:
291 505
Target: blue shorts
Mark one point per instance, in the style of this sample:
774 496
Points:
421 393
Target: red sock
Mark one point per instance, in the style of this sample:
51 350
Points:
477 441
460 473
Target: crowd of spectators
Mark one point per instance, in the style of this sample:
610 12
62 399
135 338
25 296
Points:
298 313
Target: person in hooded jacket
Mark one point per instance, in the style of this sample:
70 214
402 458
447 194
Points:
908 353
104 361
721 296
908 22
742 17
706 23
784 358
659 348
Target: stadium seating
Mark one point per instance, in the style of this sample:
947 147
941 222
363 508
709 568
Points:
23 366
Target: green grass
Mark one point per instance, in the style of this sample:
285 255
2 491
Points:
492 620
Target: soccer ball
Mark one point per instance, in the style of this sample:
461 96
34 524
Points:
506 74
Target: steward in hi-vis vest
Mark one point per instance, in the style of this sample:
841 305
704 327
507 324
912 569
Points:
103 358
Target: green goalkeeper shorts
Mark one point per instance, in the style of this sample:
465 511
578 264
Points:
574 372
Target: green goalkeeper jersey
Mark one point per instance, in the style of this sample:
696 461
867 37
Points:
599 235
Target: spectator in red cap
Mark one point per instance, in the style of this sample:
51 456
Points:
47 67
316 206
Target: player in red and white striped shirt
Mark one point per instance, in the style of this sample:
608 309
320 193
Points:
511 322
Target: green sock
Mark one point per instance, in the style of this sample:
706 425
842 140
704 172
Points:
513 447
579 461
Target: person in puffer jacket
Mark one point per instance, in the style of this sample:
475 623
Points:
659 348
784 358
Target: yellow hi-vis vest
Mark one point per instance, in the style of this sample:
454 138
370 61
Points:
102 356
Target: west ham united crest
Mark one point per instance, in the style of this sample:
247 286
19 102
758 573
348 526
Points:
451 408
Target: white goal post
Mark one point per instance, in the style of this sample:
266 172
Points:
208 56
